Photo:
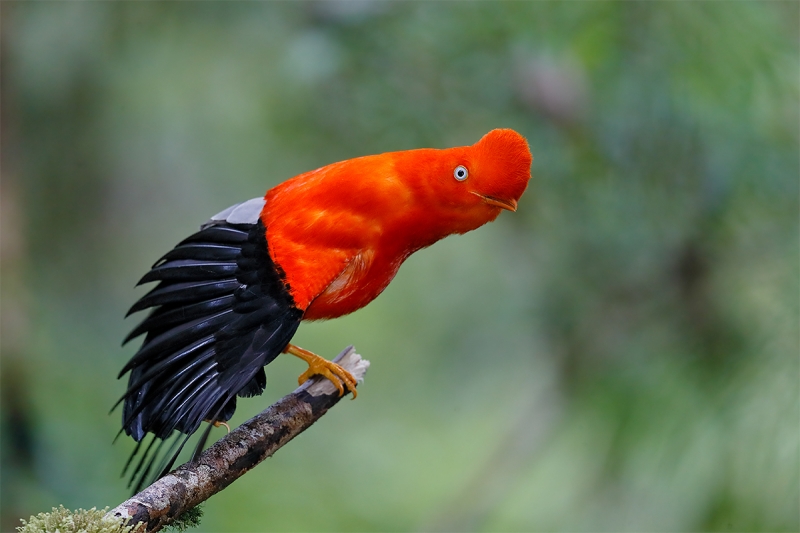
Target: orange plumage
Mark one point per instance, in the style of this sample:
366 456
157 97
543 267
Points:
320 245
341 232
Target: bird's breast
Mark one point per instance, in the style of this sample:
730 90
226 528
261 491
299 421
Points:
364 277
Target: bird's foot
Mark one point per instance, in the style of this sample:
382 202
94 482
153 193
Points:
319 366
218 423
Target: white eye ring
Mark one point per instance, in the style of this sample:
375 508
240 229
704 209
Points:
460 173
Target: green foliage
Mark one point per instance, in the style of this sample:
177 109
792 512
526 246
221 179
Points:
187 520
62 520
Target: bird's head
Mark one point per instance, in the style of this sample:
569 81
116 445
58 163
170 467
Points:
468 186
496 169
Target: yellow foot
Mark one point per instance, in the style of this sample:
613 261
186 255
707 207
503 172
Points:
319 366
218 423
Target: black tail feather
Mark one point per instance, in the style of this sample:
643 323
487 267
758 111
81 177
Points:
142 459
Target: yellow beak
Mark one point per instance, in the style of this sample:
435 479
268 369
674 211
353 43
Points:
511 205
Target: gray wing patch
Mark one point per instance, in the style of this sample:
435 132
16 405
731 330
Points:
243 213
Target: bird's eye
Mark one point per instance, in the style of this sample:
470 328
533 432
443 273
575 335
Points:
460 173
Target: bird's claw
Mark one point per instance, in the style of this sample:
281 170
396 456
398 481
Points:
219 423
334 373
319 366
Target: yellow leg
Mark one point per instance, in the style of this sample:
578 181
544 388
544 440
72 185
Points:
319 366
218 423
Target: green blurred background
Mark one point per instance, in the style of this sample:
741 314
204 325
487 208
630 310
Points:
620 354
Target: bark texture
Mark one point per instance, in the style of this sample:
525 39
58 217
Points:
236 453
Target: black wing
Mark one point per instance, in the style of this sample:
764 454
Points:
221 312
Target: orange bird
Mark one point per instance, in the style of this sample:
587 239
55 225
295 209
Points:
320 245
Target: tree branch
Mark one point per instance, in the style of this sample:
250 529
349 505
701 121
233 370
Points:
236 453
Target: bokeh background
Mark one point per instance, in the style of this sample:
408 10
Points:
620 354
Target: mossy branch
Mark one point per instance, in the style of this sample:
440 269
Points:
80 521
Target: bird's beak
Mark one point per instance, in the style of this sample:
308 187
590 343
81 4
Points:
511 205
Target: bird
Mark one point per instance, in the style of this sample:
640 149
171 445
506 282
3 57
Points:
230 297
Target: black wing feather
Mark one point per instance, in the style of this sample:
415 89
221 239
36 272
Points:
221 233
221 312
190 270
170 315
201 251
185 293
195 351
157 347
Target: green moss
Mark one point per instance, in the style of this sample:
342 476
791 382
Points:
63 520
189 519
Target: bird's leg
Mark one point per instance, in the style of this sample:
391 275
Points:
218 423
319 366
